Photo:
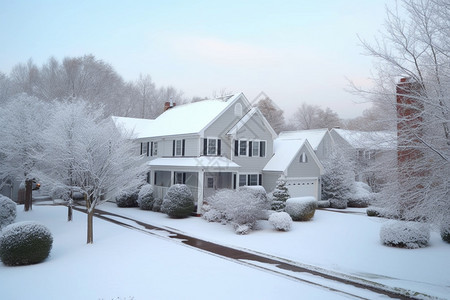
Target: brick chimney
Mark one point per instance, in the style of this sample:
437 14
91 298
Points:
169 105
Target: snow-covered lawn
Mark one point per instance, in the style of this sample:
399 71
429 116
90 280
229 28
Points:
128 264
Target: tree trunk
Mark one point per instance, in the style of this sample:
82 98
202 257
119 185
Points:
90 231
28 194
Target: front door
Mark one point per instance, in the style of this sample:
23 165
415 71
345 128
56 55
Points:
210 185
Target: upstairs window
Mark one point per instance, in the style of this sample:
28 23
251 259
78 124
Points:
250 148
178 147
211 146
243 148
144 148
303 158
255 149
155 149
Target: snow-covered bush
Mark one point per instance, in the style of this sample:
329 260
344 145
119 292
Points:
8 211
241 207
338 203
404 234
157 205
60 192
279 196
360 195
301 208
25 243
281 221
178 202
323 204
374 212
127 199
445 230
145 197
338 179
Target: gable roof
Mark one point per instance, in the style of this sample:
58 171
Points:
133 127
375 140
183 119
241 123
314 136
285 152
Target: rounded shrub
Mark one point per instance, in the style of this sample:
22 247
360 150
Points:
301 208
145 197
157 204
403 234
281 221
323 204
338 203
178 202
25 243
127 199
445 230
8 211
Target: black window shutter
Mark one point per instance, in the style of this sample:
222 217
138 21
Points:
248 179
148 177
141 149
205 147
262 149
234 181
236 148
173 148
260 179
154 178
250 148
151 149
219 147
184 178
148 150
184 147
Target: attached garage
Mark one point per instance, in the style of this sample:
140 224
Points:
300 187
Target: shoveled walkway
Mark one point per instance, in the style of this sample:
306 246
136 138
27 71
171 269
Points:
260 261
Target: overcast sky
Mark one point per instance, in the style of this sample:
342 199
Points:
294 51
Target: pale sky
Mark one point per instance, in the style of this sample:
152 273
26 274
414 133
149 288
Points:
294 51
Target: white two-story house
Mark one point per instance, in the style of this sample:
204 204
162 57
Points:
208 145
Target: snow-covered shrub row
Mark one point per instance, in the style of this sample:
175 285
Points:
157 204
242 208
25 243
301 208
323 204
279 196
8 211
405 234
360 195
60 192
145 197
445 230
127 199
338 203
178 202
281 221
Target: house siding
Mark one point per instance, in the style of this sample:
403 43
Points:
300 169
270 180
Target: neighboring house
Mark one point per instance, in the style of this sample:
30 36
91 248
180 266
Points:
319 139
207 145
366 149
294 161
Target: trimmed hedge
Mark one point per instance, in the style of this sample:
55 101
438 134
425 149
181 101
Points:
402 234
281 221
178 202
25 243
145 197
301 208
127 199
338 203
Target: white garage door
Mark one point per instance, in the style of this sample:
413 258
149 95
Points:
301 187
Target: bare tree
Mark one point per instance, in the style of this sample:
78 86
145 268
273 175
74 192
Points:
415 47
312 117
272 113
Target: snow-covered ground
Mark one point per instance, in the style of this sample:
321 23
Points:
133 265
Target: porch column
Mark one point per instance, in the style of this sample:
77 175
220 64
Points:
201 175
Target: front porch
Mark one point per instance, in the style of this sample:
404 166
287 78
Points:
203 175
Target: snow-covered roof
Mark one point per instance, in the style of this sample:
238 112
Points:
314 136
284 152
136 128
376 140
181 119
202 162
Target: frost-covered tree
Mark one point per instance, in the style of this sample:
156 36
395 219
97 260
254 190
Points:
313 116
280 194
415 47
83 150
21 120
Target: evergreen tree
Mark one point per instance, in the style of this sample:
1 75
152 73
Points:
280 195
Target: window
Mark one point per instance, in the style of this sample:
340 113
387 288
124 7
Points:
210 182
255 149
252 179
242 180
155 148
179 178
211 146
303 158
178 148
144 148
243 148
238 110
